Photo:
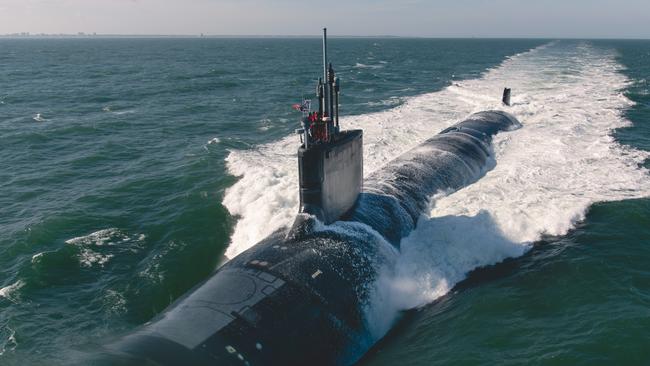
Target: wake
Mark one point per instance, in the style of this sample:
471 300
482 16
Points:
569 98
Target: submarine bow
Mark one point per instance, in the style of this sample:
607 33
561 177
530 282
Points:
298 296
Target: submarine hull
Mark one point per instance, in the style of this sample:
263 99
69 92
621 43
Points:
298 297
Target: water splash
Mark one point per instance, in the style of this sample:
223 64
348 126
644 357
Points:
568 97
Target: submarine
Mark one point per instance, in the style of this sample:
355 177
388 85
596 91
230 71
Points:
299 297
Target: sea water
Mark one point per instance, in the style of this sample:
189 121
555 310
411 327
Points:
131 168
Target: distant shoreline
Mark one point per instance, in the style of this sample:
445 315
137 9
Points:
85 35
252 36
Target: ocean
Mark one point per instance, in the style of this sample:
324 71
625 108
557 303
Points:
130 169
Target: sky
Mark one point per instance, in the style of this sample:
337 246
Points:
432 18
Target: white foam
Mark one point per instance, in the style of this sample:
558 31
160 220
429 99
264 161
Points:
568 97
100 237
359 65
7 292
547 174
106 237
265 198
215 140
37 257
119 113
88 257
392 101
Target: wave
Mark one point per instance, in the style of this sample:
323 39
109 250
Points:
359 65
568 96
9 292
89 252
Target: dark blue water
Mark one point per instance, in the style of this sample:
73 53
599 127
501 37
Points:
112 182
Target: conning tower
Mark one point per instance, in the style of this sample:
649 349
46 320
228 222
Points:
330 161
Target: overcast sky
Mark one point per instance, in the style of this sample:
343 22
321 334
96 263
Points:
433 18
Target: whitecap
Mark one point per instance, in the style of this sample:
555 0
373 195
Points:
359 65
37 257
7 292
100 237
89 252
89 257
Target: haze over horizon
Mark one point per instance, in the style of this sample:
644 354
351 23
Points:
420 18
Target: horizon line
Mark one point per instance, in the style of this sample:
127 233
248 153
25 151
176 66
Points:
201 35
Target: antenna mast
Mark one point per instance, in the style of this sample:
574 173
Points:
326 109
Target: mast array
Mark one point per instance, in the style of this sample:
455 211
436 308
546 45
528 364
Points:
322 126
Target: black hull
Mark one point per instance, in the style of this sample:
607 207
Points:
298 297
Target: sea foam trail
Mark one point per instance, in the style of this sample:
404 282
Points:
568 97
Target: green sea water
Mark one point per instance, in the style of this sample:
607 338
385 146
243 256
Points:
116 157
